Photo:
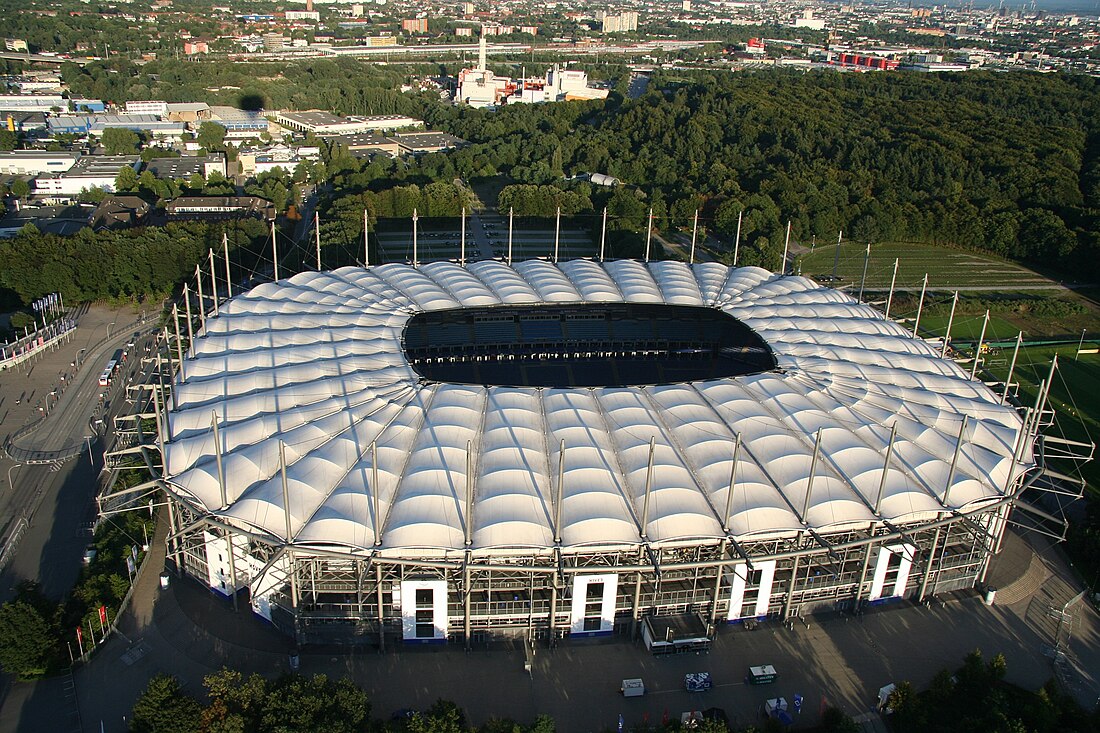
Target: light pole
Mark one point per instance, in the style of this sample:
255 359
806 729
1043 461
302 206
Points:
109 329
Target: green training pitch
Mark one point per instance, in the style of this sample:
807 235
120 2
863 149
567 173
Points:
947 268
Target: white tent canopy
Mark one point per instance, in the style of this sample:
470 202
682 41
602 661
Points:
373 451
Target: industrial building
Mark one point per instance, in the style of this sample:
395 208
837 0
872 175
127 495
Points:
93 171
434 452
241 124
36 162
480 87
325 124
187 166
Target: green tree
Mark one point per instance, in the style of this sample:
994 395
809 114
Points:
20 188
127 179
120 141
834 720
9 140
298 704
212 136
442 717
163 708
26 641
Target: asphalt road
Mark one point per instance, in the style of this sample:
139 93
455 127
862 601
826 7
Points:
56 500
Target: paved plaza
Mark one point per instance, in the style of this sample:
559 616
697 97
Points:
840 661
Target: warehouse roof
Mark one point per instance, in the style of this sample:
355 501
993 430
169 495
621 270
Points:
379 457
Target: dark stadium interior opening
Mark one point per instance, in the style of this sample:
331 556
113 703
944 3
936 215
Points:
582 345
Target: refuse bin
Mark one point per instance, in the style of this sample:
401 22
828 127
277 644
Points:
990 595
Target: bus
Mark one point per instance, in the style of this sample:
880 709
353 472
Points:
108 372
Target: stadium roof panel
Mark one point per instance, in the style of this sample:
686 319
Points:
317 363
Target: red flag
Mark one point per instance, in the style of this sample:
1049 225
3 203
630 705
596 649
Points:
79 636
103 615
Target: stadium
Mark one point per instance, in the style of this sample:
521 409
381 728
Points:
453 453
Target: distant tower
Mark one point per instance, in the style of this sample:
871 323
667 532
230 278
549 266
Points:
309 6
481 52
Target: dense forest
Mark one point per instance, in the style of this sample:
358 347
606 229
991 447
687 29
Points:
132 263
1004 163
997 162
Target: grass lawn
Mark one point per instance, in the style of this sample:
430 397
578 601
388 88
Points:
968 327
946 267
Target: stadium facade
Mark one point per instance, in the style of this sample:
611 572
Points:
450 452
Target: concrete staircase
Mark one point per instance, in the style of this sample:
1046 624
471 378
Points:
1026 585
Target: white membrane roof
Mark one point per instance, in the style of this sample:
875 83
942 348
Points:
379 459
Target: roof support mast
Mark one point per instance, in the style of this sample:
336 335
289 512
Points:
866 262
559 493
955 460
469 494
893 282
648 488
978 347
462 245
225 504
649 234
737 238
228 274
289 538
836 256
374 493
179 348
213 281
950 322
920 305
416 258
511 213
1012 367
190 331
557 232
317 236
810 481
733 482
274 250
694 232
886 468
202 298
603 234
786 248
366 238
